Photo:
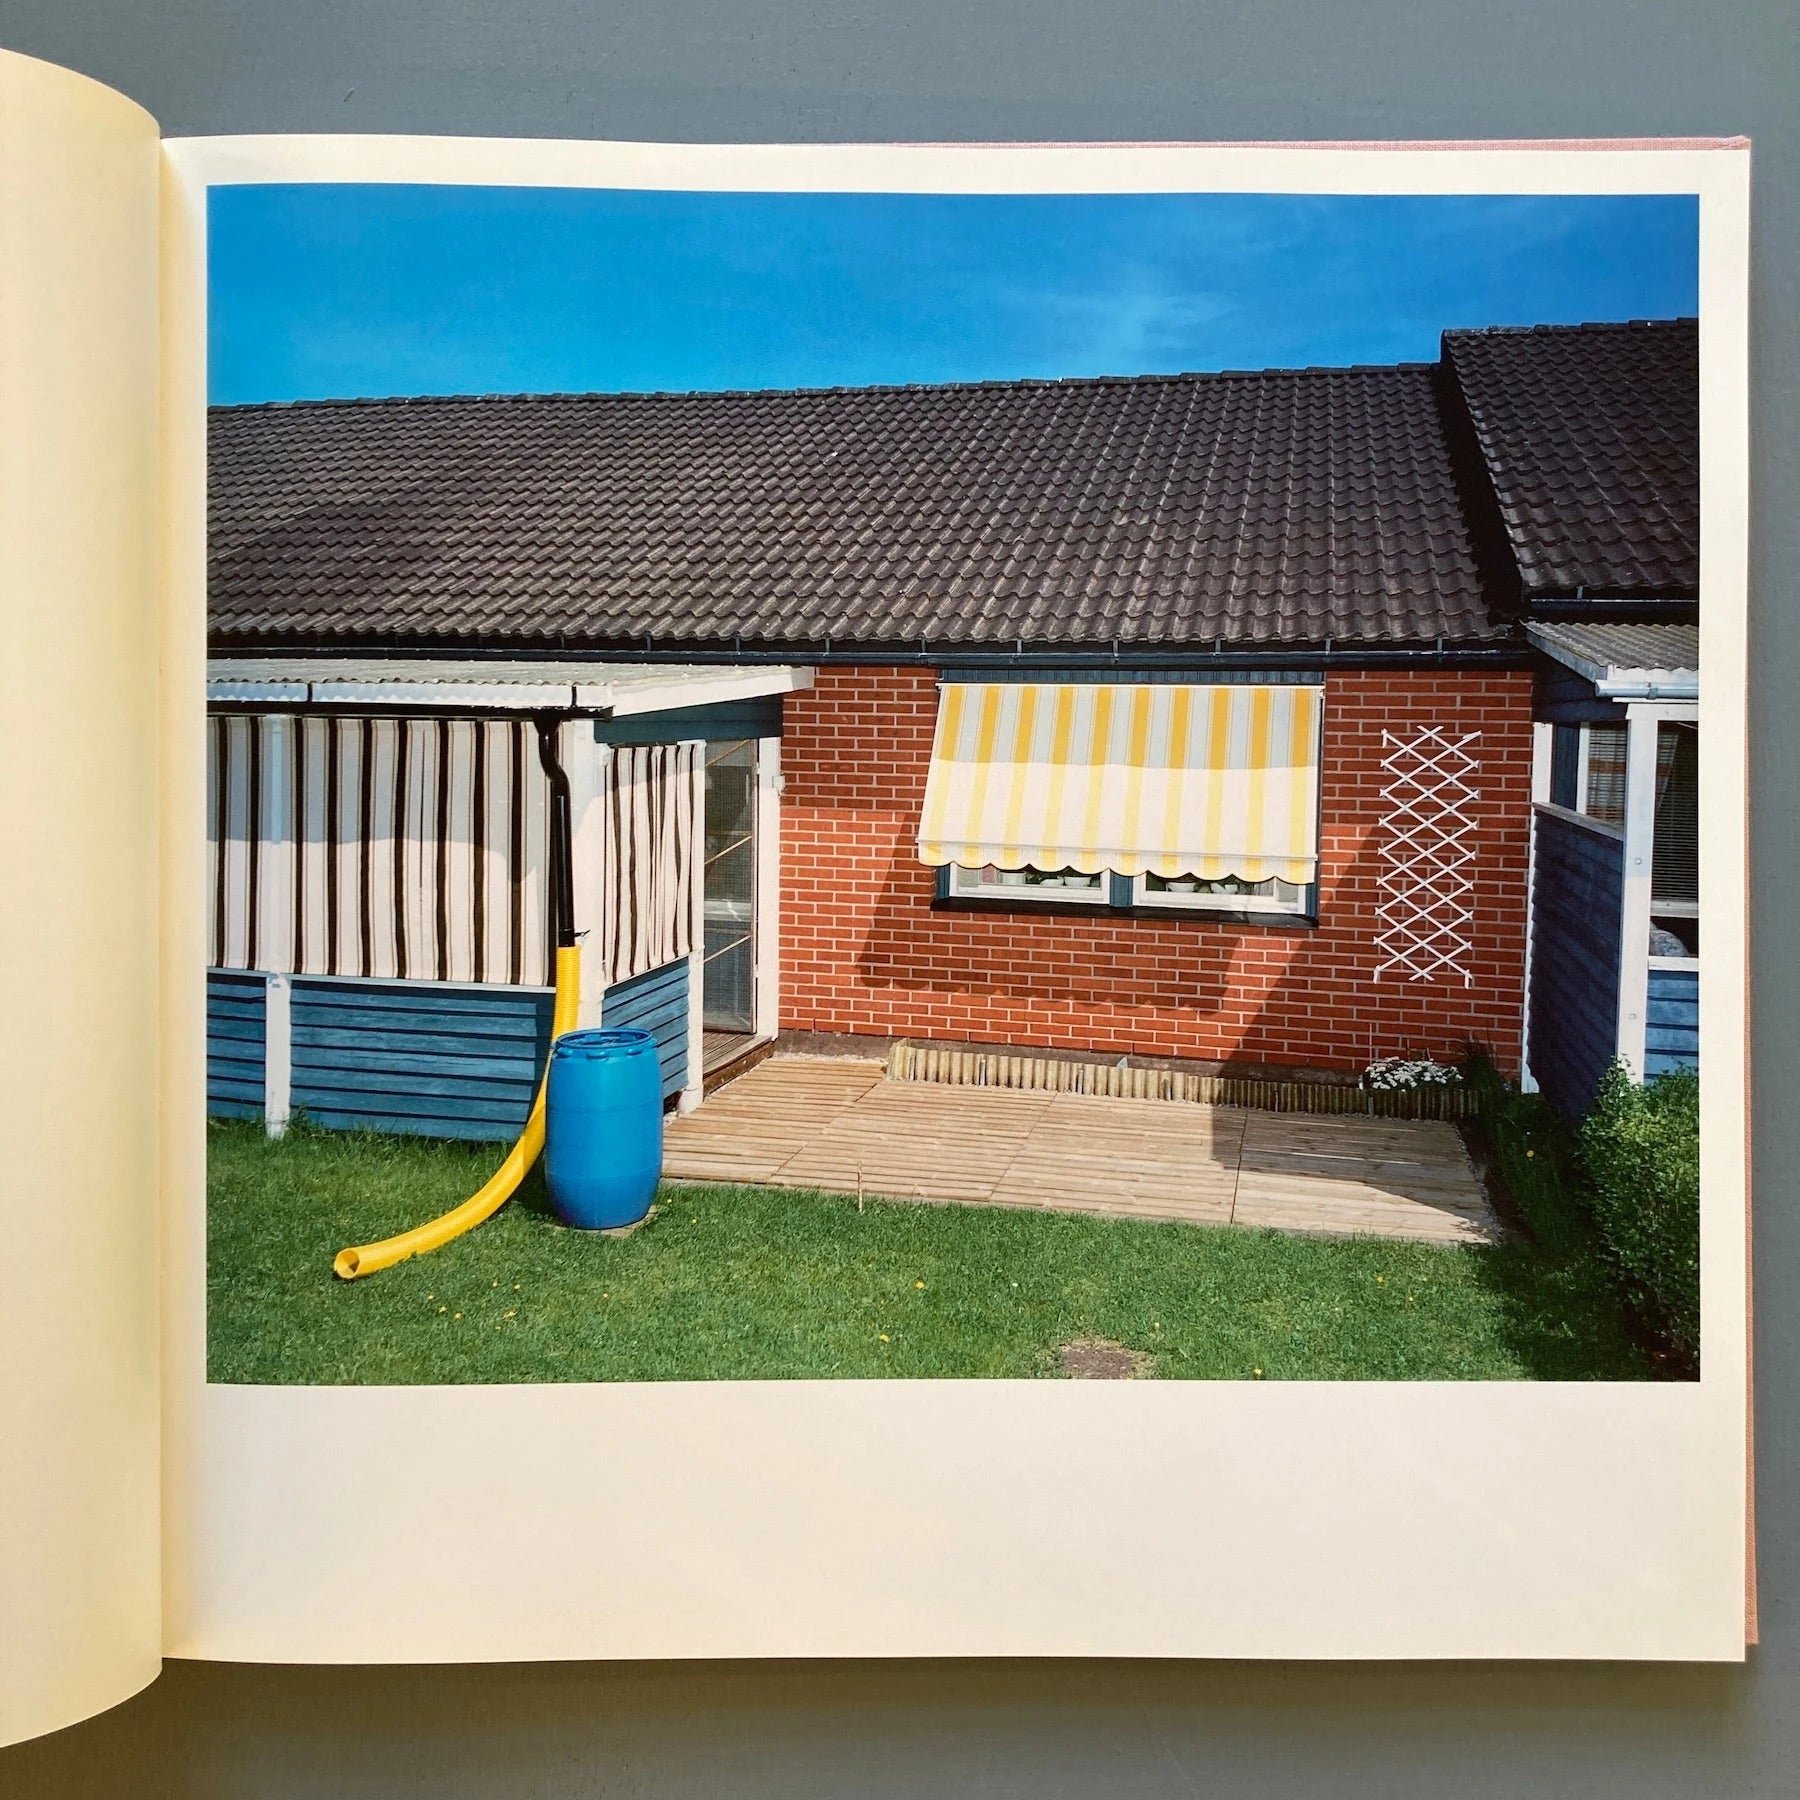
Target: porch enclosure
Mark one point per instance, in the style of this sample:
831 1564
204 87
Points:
1577 874
1615 917
379 947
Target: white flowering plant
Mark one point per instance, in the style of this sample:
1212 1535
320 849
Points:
1405 1074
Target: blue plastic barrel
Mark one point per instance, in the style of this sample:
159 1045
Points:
603 1128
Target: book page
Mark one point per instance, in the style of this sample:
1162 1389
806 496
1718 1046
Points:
1084 1227
79 704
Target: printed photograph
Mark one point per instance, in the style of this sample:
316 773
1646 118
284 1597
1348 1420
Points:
811 786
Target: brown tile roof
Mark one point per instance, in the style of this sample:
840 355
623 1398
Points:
1590 437
1164 510
1276 507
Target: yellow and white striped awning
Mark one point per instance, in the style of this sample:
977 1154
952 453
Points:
1139 779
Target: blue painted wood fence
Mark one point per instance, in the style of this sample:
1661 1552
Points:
656 1002
424 1058
1672 1025
416 1057
1577 888
236 1029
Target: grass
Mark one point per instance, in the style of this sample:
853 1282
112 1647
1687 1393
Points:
739 1283
1550 1193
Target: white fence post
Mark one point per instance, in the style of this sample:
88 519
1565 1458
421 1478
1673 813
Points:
1543 751
278 1056
1641 728
586 761
767 891
694 1089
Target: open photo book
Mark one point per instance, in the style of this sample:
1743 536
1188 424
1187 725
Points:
868 900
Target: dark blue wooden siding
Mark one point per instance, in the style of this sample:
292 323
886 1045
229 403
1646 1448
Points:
418 1057
236 1014
656 1002
1565 765
1565 698
1577 883
1672 1026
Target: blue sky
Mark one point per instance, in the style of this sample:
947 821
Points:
334 290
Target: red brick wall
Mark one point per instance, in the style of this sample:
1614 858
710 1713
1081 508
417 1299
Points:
863 951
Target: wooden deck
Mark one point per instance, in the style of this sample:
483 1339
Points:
717 1048
839 1124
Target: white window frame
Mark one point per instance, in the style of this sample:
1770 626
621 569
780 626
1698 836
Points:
1669 909
965 884
1674 909
1635 907
1298 908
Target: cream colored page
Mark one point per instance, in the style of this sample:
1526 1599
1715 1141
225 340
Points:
80 1625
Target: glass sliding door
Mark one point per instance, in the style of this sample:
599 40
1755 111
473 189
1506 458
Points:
728 894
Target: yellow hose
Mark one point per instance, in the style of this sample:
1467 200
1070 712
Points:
365 1259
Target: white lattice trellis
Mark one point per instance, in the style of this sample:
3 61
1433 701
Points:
1425 913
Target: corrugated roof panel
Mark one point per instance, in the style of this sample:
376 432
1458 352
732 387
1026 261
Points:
488 686
1626 661
1626 646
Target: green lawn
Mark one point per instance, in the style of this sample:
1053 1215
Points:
749 1283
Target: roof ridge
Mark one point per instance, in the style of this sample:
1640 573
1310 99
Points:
1593 325
1058 382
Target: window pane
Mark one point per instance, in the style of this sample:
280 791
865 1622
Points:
1272 893
728 1000
1675 862
728 889
1674 934
1605 796
730 877
1010 883
730 794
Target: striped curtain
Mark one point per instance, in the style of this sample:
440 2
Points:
652 860
1168 780
410 848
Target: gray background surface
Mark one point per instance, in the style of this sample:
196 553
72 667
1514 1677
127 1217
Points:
948 69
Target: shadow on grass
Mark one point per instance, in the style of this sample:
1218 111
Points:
1560 1319
1560 1312
532 1196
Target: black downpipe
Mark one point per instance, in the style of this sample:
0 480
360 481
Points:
562 832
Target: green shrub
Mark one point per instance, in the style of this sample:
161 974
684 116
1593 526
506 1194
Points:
1640 1150
1534 1154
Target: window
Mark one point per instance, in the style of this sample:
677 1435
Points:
991 883
1675 851
1587 771
1675 873
1603 773
1229 893
728 893
1033 786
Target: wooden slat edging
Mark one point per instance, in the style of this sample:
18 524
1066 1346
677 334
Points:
1012 1070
